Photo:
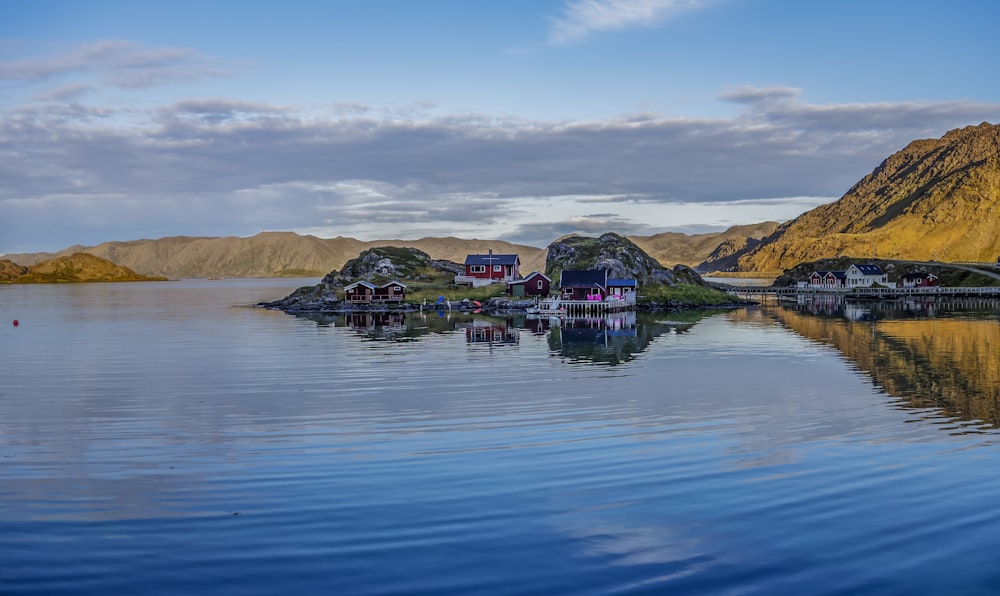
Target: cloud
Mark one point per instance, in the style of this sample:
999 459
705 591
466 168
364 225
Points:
580 18
117 63
541 234
202 166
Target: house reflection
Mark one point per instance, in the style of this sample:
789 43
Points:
613 339
492 332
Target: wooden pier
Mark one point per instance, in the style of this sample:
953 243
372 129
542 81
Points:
585 308
764 292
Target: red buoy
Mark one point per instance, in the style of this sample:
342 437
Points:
16 323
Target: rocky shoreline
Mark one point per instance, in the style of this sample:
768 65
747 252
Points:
494 306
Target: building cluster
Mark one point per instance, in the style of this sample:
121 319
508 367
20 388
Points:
865 276
591 284
482 270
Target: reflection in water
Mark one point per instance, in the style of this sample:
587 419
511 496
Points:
393 327
492 332
929 354
613 339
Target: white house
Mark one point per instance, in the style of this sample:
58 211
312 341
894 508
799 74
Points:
864 276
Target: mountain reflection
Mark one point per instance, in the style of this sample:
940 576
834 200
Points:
940 355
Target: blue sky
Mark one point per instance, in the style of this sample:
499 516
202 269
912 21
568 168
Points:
515 120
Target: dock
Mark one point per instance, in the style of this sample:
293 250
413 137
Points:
765 292
585 308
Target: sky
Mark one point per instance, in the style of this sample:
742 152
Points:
516 120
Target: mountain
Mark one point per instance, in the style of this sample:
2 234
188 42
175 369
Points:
936 199
79 267
270 254
675 248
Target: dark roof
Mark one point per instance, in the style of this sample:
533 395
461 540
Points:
583 279
836 274
919 275
493 259
528 277
622 283
364 283
869 269
394 282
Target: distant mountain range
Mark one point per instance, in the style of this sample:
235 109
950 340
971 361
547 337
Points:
937 199
286 254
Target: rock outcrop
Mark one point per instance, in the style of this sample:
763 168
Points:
619 256
376 265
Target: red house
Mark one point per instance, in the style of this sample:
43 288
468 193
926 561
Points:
919 280
359 291
394 291
482 270
591 284
828 279
533 284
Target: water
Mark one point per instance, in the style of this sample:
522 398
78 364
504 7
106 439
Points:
162 439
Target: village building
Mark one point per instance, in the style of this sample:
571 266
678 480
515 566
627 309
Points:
919 280
533 284
393 291
483 270
365 292
865 276
591 284
828 279
622 288
359 292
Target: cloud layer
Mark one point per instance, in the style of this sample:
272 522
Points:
226 167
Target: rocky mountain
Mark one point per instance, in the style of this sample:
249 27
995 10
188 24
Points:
937 199
621 257
79 267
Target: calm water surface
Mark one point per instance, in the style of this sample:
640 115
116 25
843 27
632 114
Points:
162 438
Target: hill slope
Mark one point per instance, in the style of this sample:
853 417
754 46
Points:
937 199
79 267
672 248
270 254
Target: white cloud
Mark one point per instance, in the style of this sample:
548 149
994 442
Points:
583 17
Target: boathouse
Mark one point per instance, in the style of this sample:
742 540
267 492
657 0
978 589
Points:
591 284
533 284
393 291
359 292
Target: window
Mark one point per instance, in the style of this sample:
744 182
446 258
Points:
540 285
477 268
498 267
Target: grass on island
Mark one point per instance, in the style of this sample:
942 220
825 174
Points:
686 294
